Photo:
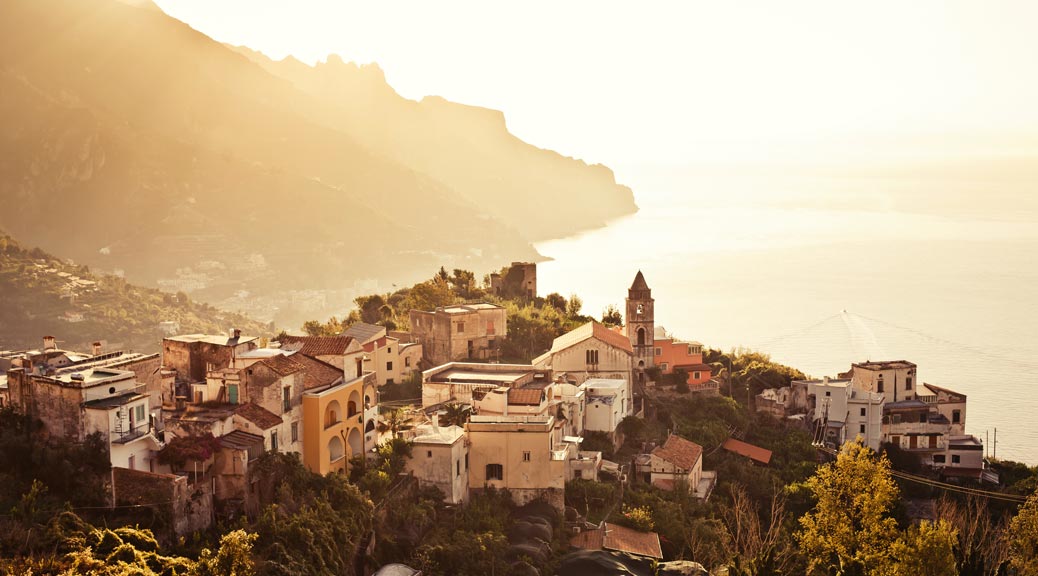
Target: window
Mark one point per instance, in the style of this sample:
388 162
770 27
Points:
922 417
495 472
389 349
879 385
591 356
139 409
895 419
389 365
956 416
663 366
295 431
696 375
659 351
862 411
828 393
938 459
577 474
861 428
428 453
956 459
466 462
286 398
274 441
407 362
895 440
526 456
461 327
457 468
908 383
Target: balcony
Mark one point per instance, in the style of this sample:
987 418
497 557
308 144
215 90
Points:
129 435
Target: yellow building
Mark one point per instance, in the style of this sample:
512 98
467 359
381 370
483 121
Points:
333 424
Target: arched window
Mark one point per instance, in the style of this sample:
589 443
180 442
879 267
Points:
334 449
641 336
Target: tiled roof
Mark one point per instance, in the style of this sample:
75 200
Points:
281 365
318 345
362 332
623 539
680 452
524 396
587 540
317 373
259 415
695 367
240 440
592 330
755 453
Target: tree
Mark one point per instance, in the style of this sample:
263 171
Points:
233 558
611 316
850 530
455 414
927 550
1023 538
574 305
755 547
556 301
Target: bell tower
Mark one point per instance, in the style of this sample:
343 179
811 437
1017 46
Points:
640 325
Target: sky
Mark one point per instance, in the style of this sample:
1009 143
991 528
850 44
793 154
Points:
670 83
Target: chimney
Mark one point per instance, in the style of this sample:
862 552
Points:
436 422
49 343
97 348
825 379
235 333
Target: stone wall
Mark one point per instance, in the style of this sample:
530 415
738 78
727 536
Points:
186 508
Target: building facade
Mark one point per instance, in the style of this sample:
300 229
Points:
460 332
641 328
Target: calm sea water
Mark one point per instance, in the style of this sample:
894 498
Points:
820 287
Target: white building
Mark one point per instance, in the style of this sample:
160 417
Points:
607 403
590 351
440 458
850 413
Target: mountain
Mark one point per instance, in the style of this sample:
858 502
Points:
44 295
134 142
466 146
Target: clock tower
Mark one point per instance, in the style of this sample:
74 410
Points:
640 325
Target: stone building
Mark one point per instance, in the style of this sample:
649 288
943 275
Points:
895 380
460 332
519 453
519 279
192 356
440 458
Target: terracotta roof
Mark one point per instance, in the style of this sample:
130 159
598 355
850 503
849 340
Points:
259 415
623 539
281 365
755 453
664 484
317 373
680 452
380 343
592 330
639 282
587 540
319 345
525 396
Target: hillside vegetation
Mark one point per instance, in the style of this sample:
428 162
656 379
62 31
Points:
43 295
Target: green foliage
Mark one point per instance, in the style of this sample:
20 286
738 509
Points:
850 529
926 550
1023 538
592 499
611 316
639 518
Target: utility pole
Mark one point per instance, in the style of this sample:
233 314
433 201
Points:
994 449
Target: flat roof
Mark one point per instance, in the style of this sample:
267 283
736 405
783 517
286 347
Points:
444 435
114 401
92 376
470 375
219 339
884 364
605 383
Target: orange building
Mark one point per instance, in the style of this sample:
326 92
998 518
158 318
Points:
333 426
671 354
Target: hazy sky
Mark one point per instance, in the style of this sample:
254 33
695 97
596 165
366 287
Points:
628 83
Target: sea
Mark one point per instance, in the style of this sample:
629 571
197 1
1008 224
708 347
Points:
819 281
